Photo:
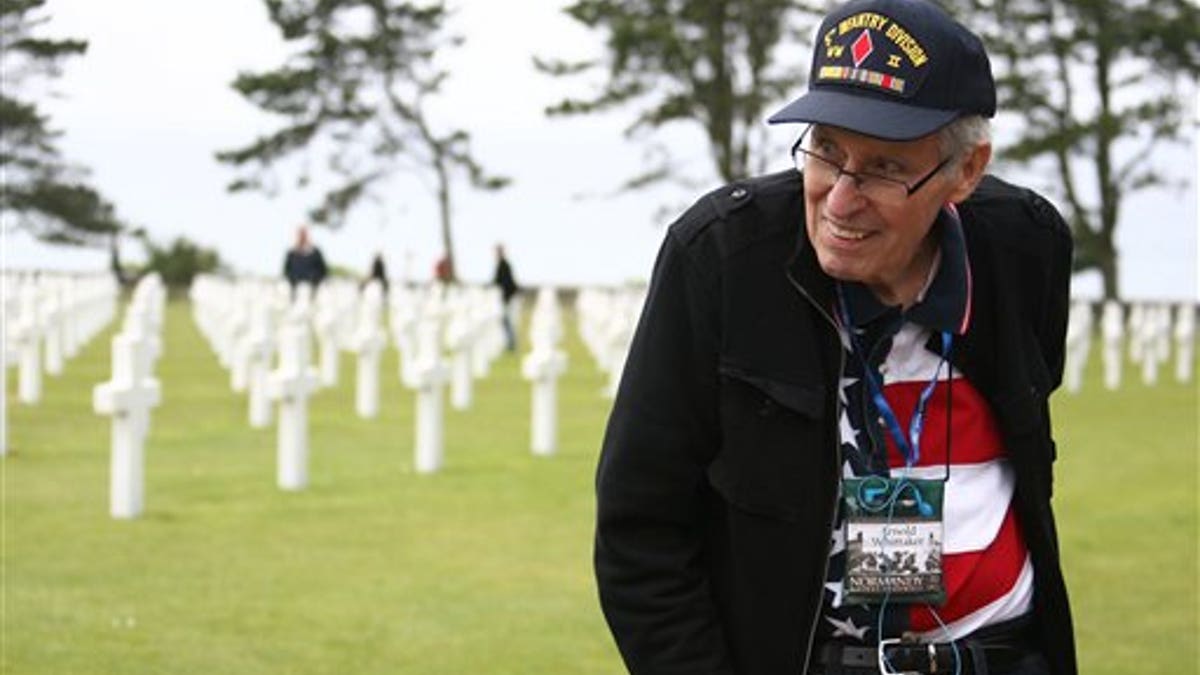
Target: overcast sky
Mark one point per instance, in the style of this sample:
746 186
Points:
150 102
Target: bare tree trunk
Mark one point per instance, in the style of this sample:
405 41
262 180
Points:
443 195
114 257
1106 132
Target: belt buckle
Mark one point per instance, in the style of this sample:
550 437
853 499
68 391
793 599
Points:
885 667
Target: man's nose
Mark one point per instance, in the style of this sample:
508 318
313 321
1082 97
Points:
844 197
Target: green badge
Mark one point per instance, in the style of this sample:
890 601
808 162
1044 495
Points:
894 535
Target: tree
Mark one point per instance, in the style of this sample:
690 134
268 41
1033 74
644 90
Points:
46 195
181 261
1096 86
707 62
356 89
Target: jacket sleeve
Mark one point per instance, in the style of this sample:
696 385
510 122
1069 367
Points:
319 263
1052 327
661 435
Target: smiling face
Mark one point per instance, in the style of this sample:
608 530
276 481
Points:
884 244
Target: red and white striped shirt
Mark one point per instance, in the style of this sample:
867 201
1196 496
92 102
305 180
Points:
987 572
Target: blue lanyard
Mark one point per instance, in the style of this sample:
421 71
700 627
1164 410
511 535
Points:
909 446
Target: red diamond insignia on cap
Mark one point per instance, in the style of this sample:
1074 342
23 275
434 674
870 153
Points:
862 48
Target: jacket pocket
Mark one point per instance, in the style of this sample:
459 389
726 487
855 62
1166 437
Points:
771 434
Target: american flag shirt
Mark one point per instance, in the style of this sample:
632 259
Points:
987 571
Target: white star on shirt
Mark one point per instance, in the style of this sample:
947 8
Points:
838 542
835 587
846 383
847 628
847 431
845 336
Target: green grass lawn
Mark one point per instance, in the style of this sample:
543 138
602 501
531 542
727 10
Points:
1126 499
482 568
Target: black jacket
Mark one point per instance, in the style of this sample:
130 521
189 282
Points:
718 477
301 266
505 280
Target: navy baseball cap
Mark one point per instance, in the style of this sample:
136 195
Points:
894 69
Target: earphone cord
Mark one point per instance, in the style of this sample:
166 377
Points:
891 507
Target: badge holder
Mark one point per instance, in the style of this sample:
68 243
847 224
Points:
894 527
894 532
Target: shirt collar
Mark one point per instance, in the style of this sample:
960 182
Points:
945 304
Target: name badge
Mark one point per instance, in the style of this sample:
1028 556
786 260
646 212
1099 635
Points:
894 532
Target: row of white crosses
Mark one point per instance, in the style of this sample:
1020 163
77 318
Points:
445 336
131 393
463 322
1148 331
607 319
466 321
426 322
252 324
1152 329
48 318
239 322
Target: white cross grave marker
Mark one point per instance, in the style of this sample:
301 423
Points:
291 384
403 322
1185 341
1079 340
28 338
459 341
8 355
485 313
543 366
127 398
369 341
1154 336
1112 328
427 374
52 325
259 347
327 346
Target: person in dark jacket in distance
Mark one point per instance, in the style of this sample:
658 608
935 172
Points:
831 449
304 262
504 279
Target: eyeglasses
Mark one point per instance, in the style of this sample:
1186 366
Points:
879 189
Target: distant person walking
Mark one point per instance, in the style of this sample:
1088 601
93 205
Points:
441 270
378 273
508 290
304 262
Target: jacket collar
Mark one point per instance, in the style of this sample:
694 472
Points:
804 269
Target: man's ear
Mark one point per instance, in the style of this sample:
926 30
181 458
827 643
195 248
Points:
969 172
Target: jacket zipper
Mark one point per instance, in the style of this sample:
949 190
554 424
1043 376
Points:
812 632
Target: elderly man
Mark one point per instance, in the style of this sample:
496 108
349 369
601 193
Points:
831 449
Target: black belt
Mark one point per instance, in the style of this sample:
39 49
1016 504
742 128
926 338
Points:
994 650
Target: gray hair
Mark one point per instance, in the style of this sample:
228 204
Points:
963 134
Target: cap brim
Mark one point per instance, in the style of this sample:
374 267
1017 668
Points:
865 115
